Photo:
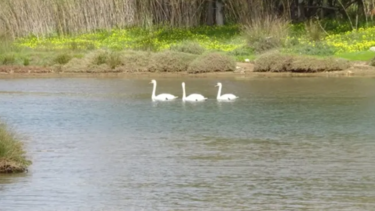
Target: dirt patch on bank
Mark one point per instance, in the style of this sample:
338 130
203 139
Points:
11 69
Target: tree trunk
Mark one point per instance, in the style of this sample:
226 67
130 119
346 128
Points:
210 13
301 10
219 16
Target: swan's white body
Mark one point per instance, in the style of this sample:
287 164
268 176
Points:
224 97
192 97
161 97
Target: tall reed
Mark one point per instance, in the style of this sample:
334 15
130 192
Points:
266 33
41 17
45 17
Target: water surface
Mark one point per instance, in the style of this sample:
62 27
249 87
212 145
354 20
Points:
101 144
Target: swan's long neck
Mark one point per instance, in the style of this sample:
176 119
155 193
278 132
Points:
183 92
219 92
153 91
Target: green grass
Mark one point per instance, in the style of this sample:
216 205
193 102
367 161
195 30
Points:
225 38
357 56
12 155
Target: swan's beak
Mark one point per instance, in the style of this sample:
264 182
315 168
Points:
216 85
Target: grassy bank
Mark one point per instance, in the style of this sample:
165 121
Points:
12 155
179 49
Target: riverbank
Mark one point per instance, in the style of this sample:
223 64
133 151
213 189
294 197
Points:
198 52
12 155
243 69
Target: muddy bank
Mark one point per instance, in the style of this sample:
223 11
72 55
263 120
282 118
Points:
243 69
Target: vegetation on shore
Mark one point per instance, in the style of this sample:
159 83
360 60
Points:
145 37
171 50
372 62
104 61
276 62
12 155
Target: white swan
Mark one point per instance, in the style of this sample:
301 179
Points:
225 97
192 97
161 97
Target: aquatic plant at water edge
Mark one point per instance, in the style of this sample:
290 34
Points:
12 155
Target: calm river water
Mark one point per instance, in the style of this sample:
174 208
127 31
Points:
101 144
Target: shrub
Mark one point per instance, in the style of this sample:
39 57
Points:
74 65
372 62
26 61
170 61
311 64
106 61
266 33
134 61
242 51
275 62
99 57
313 31
12 155
272 62
83 64
212 62
8 59
62 58
188 47
114 59
319 49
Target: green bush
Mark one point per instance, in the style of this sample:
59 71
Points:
8 59
100 57
320 49
114 59
26 61
314 31
189 47
62 58
273 62
134 61
76 65
110 61
276 62
171 61
266 33
242 51
372 62
212 62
